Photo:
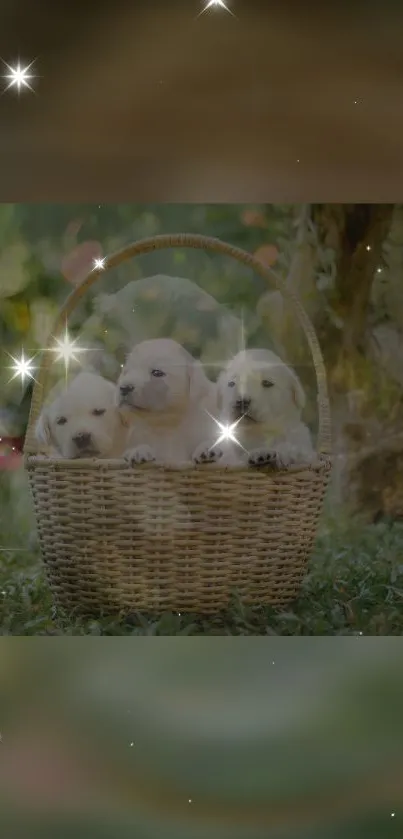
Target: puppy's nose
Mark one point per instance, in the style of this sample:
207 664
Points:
82 440
126 389
243 404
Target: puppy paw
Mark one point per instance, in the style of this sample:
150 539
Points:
207 454
291 455
279 458
265 458
139 454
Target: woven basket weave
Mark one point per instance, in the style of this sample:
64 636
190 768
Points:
114 537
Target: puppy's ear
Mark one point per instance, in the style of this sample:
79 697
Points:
42 429
199 383
297 391
219 387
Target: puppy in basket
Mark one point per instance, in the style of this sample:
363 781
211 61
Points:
80 419
264 398
163 393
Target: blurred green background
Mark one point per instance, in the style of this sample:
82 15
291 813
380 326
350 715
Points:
271 737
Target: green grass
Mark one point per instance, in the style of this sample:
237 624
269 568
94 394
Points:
354 584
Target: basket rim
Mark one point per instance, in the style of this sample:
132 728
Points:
323 464
201 242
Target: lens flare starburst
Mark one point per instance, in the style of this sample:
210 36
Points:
99 264
19 77
23 368
66 350
215 4
227 432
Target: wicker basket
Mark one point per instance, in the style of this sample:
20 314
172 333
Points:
151 538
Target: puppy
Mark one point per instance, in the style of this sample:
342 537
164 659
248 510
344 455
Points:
264 398
82 420
165 394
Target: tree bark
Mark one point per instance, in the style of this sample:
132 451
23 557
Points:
356 232
365 435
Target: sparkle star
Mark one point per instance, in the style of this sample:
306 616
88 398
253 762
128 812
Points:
22 367
227 431
19 76
99 264
216 4
66 350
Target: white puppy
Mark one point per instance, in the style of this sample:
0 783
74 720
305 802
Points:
264 398
82 420
164 392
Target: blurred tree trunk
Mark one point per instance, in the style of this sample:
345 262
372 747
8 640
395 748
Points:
366 423
343 244
356 233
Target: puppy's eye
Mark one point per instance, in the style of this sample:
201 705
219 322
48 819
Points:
267 383
231 384
98 412
158 373
61 421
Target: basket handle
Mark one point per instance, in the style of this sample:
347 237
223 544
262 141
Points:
186 240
